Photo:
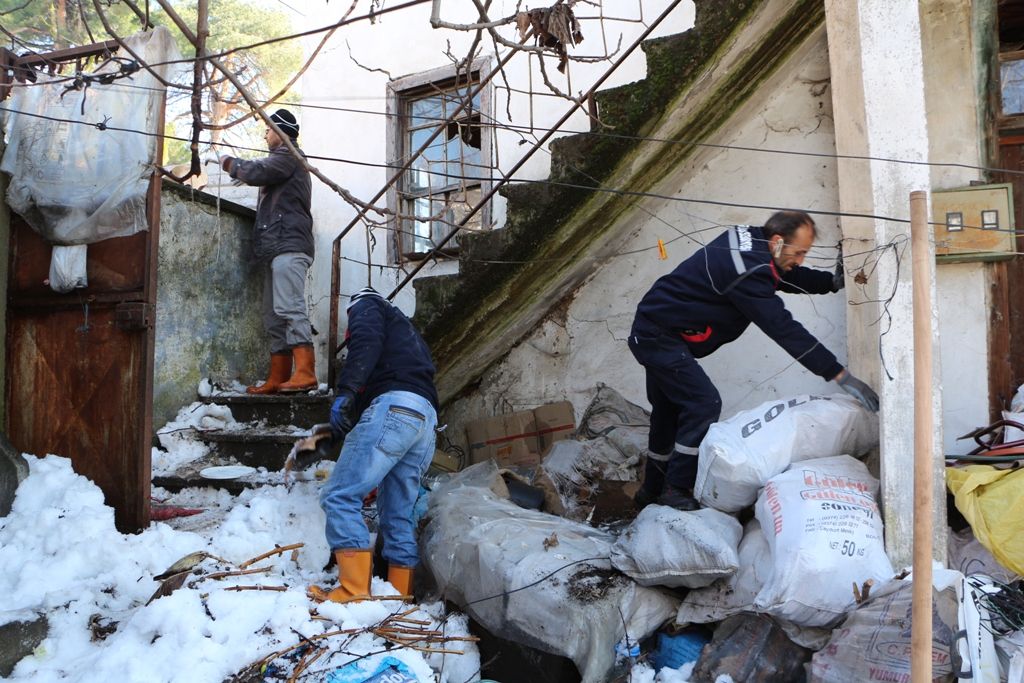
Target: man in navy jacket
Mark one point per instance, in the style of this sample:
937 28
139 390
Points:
386 410
708 301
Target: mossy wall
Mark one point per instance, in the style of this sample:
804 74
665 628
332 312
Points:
208 299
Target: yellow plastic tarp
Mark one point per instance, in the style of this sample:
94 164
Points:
992 500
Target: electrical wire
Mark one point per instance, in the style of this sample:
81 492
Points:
494 124
554 183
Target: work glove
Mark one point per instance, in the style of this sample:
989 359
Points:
859 390
341 413
839 277
321 444
226 162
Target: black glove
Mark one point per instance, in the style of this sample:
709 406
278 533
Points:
859 390
341 413
838 278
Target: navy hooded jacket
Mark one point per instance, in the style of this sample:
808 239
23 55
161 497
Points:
385 353
711 298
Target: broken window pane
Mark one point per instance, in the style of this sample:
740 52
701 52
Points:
1012 82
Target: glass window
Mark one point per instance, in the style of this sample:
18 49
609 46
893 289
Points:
443 183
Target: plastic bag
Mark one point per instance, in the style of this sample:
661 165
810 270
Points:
736 593
68 268
824 529
873 643
740 454
667 547
969 557
78 184
992 501
534 578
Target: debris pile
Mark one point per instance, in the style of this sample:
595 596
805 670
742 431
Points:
782 575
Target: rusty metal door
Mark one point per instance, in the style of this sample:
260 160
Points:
80 365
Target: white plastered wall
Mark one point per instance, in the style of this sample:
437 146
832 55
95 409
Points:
585 343
403 43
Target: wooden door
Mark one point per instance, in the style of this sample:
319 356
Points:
80 365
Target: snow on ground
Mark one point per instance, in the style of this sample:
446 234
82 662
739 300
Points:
61 556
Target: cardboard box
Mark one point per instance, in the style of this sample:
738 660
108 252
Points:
555 421
520 438
445 462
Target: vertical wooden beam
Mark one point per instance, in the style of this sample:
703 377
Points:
1000 367
924 434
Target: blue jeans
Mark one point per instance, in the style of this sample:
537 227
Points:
389 449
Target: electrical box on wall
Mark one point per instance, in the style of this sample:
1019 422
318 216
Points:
974 223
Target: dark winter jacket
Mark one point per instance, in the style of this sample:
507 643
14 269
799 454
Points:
284 223
711 298
385 353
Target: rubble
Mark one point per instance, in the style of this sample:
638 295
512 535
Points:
495 560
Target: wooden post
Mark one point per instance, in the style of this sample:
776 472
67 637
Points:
921 614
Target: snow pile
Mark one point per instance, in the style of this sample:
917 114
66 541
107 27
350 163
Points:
61 556
178 441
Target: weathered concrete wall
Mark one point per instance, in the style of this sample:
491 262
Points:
208 299
954 63
584 342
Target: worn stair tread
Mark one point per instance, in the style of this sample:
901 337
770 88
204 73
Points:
253 435
174 484
272 399
282 410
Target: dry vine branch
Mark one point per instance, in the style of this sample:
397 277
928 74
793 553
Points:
124 46
270 553
251 101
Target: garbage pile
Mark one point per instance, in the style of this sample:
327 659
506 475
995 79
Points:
782 575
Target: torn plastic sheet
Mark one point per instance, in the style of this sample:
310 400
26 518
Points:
534 578
80 160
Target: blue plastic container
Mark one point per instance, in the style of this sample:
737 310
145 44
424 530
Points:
684 647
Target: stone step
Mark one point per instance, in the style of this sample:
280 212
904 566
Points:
256 446
278 410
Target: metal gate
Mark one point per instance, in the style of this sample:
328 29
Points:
80 365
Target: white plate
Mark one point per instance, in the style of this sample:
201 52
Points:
227 472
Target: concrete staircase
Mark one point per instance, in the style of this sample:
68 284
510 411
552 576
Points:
269 425
557 230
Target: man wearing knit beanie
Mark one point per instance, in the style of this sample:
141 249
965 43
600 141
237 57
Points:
283 246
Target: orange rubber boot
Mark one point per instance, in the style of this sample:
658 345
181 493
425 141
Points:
280 369
354 571
304 377
401 578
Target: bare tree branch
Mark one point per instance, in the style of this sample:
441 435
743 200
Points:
15 9
251 101
124 46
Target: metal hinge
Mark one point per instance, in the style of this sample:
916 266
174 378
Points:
134 316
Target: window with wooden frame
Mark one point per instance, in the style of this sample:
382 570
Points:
448 179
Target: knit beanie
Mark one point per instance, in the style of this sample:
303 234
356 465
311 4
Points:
285 120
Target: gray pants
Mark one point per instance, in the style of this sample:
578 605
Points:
284 302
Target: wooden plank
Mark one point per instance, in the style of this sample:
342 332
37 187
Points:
1000 367
68 54
112 265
